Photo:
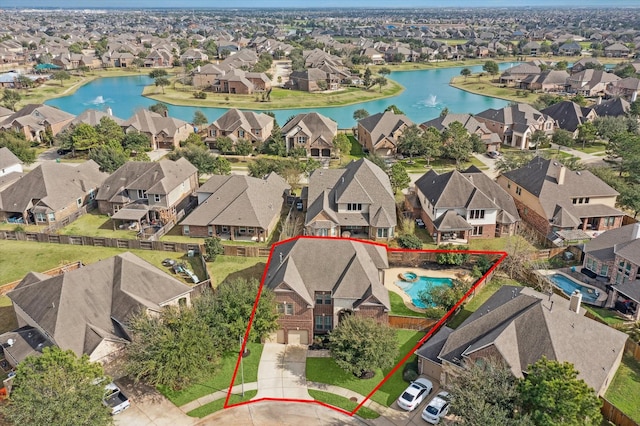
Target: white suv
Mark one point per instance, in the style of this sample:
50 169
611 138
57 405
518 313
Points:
437 408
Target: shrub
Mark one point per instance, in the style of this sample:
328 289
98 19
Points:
409 241
213 247
200 95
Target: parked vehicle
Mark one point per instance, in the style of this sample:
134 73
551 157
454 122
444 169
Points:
437 408
415 394
493 154
115 399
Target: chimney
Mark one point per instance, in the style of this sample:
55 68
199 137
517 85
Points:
635 232
575 301
562 171
165 112
634 96
599 101
109 111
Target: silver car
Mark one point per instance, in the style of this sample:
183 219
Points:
436 409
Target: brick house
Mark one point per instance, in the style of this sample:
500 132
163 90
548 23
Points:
614 256
237 124
554 200
35 120
313 132
165 132
237 207
515 124
51 193
458 206
379 133
519 325
474 127
312 296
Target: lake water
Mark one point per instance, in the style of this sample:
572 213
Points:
426 93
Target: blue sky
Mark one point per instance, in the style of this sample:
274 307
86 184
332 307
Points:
138 4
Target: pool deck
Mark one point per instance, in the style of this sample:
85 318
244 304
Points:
391 276
602 294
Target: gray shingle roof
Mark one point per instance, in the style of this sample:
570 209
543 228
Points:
567 114
314 125
603 245
80 308
383 125
347 268
8 158
237 200
36 115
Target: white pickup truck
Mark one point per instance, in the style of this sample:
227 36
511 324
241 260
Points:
115 399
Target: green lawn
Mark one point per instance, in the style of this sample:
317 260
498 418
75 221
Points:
236 267
342 402
97 225
8 320
220 379
607 316
20 257
596 147
175 236
440 165
472 305
325 370
625 388
399 308
218 404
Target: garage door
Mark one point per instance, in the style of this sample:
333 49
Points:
280 336
298 337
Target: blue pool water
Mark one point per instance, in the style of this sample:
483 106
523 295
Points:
568 286
413 289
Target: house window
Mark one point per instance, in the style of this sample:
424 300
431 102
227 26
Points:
285 308
41 217
609 221
52 217
508 185
92 195
224 229
476 214
477 230
323 298
586 200
251 230
212 133
302 139
156 198
79 202
142 193
383 232
322 232
185 229
210 230
604 270
242 230
256 132
323 322
354 207
518 190
574 201
241 133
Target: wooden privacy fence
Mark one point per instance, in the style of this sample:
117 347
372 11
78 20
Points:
4 289
411 323
613 414
633 349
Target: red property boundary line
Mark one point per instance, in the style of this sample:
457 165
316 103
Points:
433 330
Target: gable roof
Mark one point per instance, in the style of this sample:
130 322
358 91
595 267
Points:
612 107
301 265
51 186
154 177
36 116
359 182
314 125
238 200
523 114
569 115
384 125
79 309
146 121
524 325
235 119
624 240
8 158
92 117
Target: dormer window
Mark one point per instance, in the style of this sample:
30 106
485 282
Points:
142 194
354 207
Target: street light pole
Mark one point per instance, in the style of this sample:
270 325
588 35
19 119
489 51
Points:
242 366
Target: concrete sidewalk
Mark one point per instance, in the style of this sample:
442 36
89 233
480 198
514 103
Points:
221 394
281 373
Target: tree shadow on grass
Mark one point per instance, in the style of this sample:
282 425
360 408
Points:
8 320
254 271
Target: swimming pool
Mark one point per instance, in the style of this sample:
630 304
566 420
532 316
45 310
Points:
568 286
413 289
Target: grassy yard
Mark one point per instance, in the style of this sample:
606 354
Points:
470 307
280 98
175 236
220 380
399 308
486 85
20 257
218 404
230 267
592 148
625 388
342 402
94 224
608 316
325 370
440 165
8 320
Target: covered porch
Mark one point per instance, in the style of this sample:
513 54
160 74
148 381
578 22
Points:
452 228
627 294
240 233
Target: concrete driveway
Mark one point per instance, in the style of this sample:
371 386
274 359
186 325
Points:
280 413
282 372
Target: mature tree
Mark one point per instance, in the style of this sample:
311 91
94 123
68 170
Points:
456 143
411 141
399 178
243 147
221 166
61 76
24 82
394 108
562 137
367 80
136 141
553 395
162 81
465 72
377 160
361 345
538 139
432 144
199 119
384 71
486 393
172 349
158 72
109 157
193 139
212 248
444 296
342 143
519 250
477 144
381 81
224 144
109 132
275 146
57 388
159 108
634 109
491 67
512 160
197 155
10 98
18 145
228 309
359 114
83 136
586 133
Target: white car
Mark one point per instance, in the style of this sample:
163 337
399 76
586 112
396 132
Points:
436 409
415 394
